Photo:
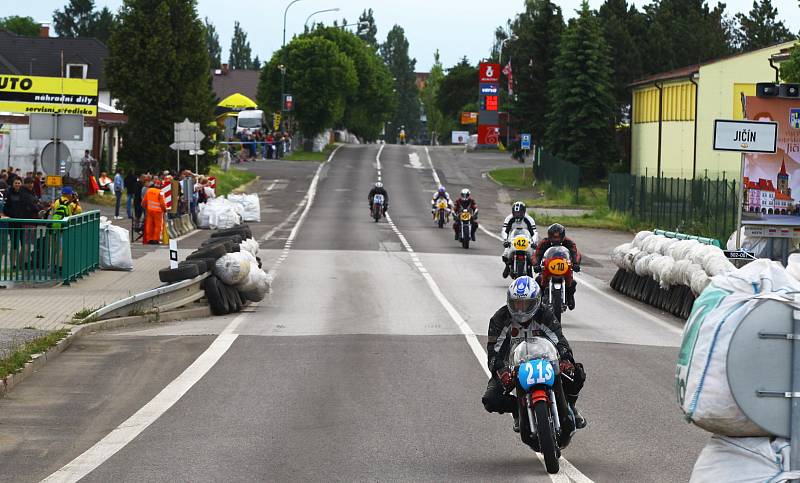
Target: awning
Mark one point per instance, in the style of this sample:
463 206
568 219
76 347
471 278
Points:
234 103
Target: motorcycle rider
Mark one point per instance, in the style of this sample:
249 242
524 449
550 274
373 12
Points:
517 219
378 189
524 310
465 202
557 236
441 193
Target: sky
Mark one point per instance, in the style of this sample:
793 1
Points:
456 27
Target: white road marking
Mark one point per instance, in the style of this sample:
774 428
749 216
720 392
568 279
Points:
568 471
272 186
414 162
123 434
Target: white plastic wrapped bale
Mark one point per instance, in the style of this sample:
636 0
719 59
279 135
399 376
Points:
744 460
249 245
679 268
699 281
640 237
250 206
680 250
686 276
642 266
701 378
717 265
618 254
665 268
665 247
657 267
115 248
218 213
651 242
255 286
628 261
637 261
232 268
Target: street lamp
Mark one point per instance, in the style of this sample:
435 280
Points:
320 11
508 101
359 24
283 48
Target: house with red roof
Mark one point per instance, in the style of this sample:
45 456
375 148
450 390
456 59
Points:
763 197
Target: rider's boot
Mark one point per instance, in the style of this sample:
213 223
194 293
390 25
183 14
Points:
473 232
571 296
580 421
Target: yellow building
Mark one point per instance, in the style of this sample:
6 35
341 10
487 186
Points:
673 114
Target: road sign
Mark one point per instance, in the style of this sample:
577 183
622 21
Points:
173 253
739 254
771 231
187 135
525 141
288 102
745 136
53 181
65 127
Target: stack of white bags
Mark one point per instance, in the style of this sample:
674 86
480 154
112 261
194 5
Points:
240 269
219 213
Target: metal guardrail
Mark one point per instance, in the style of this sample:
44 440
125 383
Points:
684 236
159 299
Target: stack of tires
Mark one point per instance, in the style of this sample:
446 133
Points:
236 276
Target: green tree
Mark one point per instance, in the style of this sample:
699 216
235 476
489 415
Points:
213 45
240 53
256 63
534 48
620 22
395 54
580 125
158 70
438 125
80 19
759 28
790 68
458 88
319 76
367 30
26 26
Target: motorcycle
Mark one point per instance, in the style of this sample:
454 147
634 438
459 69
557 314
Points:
556 274
465 231
377 206
546 423
519 257
442 213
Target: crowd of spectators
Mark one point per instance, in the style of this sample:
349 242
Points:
258 145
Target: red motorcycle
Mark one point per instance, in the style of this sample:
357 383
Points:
556 277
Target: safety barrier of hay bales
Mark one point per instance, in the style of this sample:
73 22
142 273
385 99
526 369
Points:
667 272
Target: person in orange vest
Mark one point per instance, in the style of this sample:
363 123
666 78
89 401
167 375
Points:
155 207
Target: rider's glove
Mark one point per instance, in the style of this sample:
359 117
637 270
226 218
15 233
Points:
506 244
505 376
576 268
566 355
566 366
537 268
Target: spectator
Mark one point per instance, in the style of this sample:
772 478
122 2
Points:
106 183
138 192
20 201
3 182
37 184
130 188
119 186
270 146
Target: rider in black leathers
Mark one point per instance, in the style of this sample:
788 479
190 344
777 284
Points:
379 189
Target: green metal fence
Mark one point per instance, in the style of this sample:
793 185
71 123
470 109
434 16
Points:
49 250
700 206
560 173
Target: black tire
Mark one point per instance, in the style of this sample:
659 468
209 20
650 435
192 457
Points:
242 230
546 435
556 304
210 262
234 302
217 300
202 265
172 275
212 251
465 243
441 220
258 259
211 241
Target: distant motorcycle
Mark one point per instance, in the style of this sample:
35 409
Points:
465 228
377 207
442 213
556 274
546 423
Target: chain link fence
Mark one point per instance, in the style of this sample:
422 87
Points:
706 207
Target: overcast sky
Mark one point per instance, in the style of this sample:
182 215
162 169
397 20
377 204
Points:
455 27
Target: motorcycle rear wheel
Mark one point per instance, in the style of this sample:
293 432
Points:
546 434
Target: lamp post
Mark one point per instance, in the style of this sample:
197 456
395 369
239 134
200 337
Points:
508 101
320 11
359 24
283 48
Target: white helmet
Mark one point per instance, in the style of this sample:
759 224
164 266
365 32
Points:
465 193
379 184
523 299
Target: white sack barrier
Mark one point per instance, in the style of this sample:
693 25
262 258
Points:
250 206
218 213
701 378
744 460
232 268
256 286
250 246
115 248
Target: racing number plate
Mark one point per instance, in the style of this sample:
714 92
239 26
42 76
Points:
521 243
557 266
465 216
442 205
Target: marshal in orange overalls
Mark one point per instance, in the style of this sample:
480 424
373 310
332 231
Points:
154 205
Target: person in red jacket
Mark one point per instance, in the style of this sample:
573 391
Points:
465 202
557 236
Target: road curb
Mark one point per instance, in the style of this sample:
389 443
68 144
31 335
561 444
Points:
39 360
242 187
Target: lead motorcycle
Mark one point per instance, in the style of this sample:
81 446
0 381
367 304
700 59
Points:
546 422
377 207
465 228
556 273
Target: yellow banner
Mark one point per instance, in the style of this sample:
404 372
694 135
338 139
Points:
52 95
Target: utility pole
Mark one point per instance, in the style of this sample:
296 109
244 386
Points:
283 48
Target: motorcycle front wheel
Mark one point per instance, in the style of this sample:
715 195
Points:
546 435
558 308
441 220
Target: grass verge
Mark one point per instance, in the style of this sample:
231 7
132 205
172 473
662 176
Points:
519 178
548 195
83 313
599 218
22 356
229 180
103 200
300 155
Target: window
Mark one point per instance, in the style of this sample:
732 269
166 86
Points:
77 71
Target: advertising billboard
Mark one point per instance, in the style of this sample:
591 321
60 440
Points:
771 181
489 73
459 137
469 117
488 134
48 95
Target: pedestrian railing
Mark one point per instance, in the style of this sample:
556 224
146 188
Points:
49 250
560 173
702 206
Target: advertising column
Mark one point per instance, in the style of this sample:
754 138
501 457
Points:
488 101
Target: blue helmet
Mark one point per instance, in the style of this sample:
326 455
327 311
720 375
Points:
441 189
523 299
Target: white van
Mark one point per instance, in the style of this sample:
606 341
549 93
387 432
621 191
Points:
252 120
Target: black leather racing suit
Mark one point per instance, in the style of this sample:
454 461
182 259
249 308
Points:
382 191
502 331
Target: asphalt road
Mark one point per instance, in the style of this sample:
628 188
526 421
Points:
357 367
